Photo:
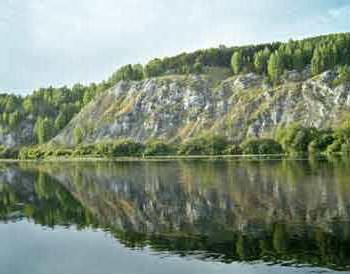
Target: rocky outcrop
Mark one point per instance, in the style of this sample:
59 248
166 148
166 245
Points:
179 107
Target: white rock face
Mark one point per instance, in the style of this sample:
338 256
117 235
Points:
247 81
182 107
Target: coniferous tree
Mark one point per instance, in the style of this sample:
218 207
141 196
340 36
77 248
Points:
275 66
261 59
237 62
298 60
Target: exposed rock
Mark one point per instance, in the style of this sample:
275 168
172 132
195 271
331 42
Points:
247 81
22 134
182 107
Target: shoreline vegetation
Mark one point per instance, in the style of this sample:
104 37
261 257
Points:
289 141
170 158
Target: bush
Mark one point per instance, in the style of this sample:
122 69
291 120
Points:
343 75
335 147
345 148
86 150
321 143
124 148
153 148
233 150
110 149
296 138
205 145
62 152
31 153
8 153
261 146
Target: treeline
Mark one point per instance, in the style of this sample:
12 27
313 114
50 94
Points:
48 109
319 54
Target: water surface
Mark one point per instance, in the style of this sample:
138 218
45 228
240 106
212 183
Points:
175 216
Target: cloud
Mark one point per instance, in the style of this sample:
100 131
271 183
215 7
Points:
58 42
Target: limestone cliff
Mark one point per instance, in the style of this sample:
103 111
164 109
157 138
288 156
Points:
179 107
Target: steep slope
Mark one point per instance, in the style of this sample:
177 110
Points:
179 107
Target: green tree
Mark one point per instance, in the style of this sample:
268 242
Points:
43 129
14 118
261 59
60 121
275 66
154 68
237 62
298 60
261 147
78 135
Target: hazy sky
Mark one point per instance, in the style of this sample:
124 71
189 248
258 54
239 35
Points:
56 42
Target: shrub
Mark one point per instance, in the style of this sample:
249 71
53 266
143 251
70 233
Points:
126 148
334 148
296 138
205 145
31 153
345 148
62 152
8 153
86 150
158 147
233 150
261 146
322 142
343 75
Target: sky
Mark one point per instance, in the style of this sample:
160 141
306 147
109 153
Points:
62 42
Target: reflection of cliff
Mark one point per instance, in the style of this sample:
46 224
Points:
166 197
225 210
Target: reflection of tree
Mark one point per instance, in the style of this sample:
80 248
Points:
232 211
47 202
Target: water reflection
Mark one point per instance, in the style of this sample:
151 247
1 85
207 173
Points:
280 212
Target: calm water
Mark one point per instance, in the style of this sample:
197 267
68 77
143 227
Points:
175 217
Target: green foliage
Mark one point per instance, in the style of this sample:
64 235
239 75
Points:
120 148
345 148
158 147
261 59
8 153
237 62
50 108
233 150
128 72
154 68
322 141
204 145
275 66
31 153
44 129
78 134
299 139
261 147
343 75
296 138
298 60
335 147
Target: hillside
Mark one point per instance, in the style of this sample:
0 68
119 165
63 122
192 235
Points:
234 92
177 108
